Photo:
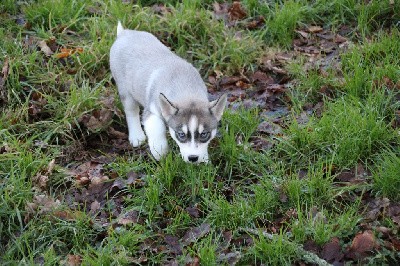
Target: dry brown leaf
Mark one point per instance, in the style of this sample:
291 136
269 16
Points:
117 134
94 206
303 34
236 11
260 77
41 180
98 120
174 244
73 260
220 10
230 258
196 233
41 204
193 211
161 9
65 215
314 29
44 48
269 128
339 39
130 217
82 180
50 166
361 245
256 23
66 52
332 251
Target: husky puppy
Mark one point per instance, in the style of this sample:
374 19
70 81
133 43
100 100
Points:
171 92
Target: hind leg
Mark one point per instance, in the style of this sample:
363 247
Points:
132 110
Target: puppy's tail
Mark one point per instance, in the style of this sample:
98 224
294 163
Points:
120 29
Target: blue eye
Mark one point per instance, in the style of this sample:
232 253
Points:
204 136
181 135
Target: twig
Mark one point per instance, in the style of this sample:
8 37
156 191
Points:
307 256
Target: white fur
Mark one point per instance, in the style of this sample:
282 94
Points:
193 125
193 148
119 28
136 134
148 74
201 128
156 132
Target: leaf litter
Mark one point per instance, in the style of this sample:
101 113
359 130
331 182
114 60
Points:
265 89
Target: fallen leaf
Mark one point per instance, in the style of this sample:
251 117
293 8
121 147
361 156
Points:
44 48
174 245
94 206
236 11
332 252
226 81
73 260
226 241
303 34
241 84
393 210
37 103
314 29
375 208
256 23
362 244
193 211
231 258
50 166
66 52
396 220
117 134
98 120
130 217
220 10
41 204
160 9
312 246
82 180
261 78
65 215
339 39
196 233
41 180
270 65
269 128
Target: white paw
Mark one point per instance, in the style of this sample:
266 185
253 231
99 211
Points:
158 148
137 139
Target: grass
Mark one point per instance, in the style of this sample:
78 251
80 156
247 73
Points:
386 179
290 190
349 131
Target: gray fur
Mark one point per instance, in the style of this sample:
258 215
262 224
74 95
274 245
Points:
168 88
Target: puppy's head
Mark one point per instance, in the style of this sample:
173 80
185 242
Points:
193 127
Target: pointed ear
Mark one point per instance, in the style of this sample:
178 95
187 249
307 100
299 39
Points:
217 106
167 108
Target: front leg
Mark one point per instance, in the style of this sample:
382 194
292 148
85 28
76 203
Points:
131 108
156 133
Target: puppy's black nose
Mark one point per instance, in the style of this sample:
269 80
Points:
193 158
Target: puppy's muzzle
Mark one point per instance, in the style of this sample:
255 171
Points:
193 158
